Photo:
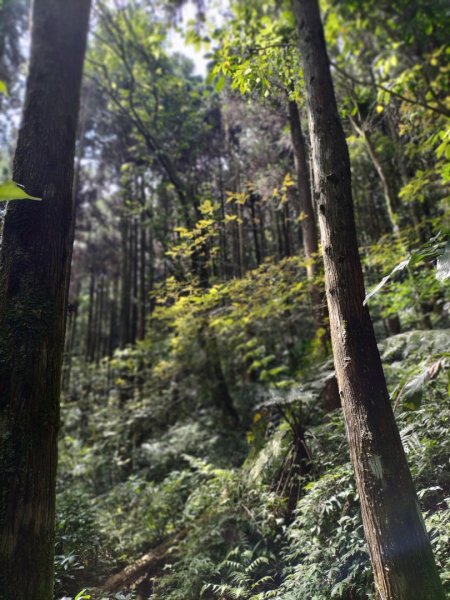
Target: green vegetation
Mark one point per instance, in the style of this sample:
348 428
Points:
203 450
164 461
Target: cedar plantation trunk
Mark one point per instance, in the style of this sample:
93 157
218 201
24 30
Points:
399 547
34 269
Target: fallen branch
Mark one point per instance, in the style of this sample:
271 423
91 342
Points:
144 565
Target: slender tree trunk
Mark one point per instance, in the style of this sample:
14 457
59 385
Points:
223 229
71 333
93 346
240 210
105 318
307 220
142 281
262 229
125 283
390 197
151 265
134 252
89 330
34 268
114 329
308 225
279 234
99 322
399 547
286 230
236 246
253 200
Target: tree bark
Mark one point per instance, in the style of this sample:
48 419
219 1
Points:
308 225
399 547
307 220
34 268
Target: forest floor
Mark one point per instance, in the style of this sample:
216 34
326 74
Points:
199 511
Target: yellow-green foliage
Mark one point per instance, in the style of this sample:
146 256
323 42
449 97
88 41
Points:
257 324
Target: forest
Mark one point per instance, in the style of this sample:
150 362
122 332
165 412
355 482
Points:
224 300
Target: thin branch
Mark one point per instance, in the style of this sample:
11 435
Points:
440 111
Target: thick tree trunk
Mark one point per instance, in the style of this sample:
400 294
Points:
399 547
34 267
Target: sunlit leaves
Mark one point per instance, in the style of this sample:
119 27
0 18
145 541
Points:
255 50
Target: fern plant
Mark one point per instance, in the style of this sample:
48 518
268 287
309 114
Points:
246 573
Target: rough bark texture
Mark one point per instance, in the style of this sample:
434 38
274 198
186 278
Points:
34 267
400 550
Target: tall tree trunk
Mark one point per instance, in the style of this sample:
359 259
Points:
142 279
253 200
286 229
279 234
308 225
114 328
34 268
307 221
399 547
71 338
99 320
134 254
125 282
390 196
223 229
262 229
236 247
90 320
240 222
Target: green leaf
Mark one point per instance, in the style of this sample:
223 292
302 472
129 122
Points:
220 83
3 88
11 191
